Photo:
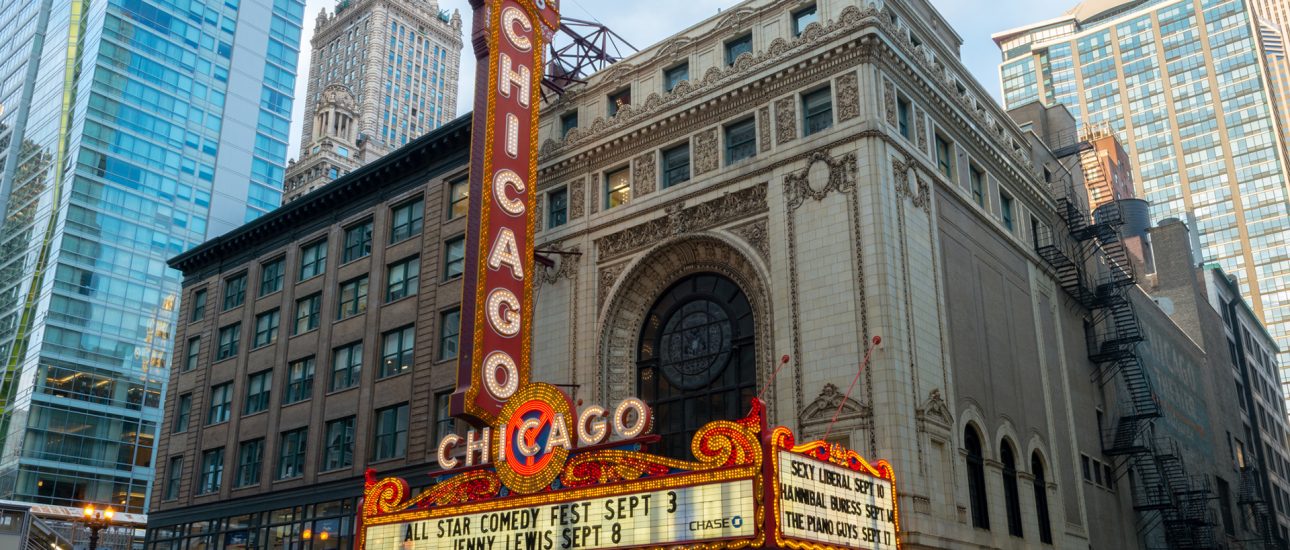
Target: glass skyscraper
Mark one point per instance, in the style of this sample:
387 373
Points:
130 131
1183 85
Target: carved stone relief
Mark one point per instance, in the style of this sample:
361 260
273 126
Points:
566 265
594 183
889 101
679 220
902 171
757 235
830 402
842 177
919 128
785 120
644 174
577 201
848 96
763 128
608 276
705 151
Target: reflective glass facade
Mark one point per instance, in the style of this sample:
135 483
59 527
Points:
1182 84
133 131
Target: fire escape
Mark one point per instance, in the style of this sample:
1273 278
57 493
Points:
1092 266
1250 498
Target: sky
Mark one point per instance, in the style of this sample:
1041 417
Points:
647 22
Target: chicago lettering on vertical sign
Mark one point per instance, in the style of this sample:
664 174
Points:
493 361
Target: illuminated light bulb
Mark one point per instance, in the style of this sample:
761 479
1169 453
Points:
88 510
109 513
324 535
308 534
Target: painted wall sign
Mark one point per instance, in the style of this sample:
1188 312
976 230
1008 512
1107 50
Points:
493 361
710 512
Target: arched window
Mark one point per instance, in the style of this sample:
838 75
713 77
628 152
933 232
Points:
1010 489
1041 498
696 358
976 478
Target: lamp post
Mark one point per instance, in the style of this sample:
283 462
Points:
96 520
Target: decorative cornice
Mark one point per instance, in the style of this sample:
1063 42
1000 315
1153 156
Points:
679 219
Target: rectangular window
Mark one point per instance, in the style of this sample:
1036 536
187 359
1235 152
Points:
804 17
1086 468
258 386
454 257
391 432
250 457
300 381
458 198
976 178
228 341
817 110
234 291
945 157
618 188
618 99
340 444
396 357
199 306
358 242
676 75
402 279
174 473
291 453
1005 208
902 117
221 401
266 328
346 366
737 47
193 353
568 121
406 221
449 327
183 410
557 208
307 313
444 423
353 298
676 165
313 260
212 470
271 275
741 140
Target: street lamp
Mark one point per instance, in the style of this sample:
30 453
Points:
96 520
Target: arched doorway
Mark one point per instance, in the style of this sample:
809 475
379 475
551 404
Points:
696 359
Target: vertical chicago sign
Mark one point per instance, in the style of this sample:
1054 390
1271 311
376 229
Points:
509 36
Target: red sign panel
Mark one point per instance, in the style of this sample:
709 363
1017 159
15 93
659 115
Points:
497 305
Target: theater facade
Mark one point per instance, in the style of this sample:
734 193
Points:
799 228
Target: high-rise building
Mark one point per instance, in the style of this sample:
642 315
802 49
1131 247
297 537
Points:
133 130
1183 86
382 73
1273 18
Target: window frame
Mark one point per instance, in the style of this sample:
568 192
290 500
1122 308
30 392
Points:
310 268
669 78
455 201
565 127
276 267
192 354
415 223
405 341
198 311
946 159
229 350
267 335
904 117
408 285
610 188
313 317
450 262
220 411
234 292
551 209
212 475
398 436
665 159
1007 213
299 388
731 149
357 242
183 414
345 447
247 468
728 47
174 476
795 18
352 371
611 100
355 303
444 423
258 402
977 184
444 336
294 444
808 116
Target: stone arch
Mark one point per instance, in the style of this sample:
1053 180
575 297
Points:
971 416
1035 447
631 296
1006 432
